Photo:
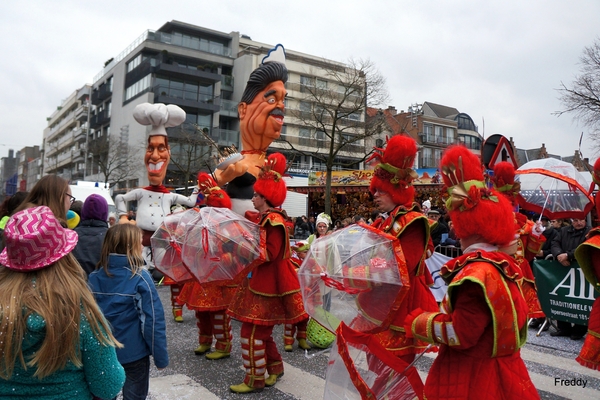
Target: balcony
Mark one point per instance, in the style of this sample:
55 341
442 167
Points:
102 93
428 162
186 99
229 108
173 69
440 141
225 137
227 82
79 134
81 113
99 119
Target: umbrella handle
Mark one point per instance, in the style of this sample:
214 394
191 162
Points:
547 197
205 241
176 247
332 283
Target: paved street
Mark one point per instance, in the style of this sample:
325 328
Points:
194 377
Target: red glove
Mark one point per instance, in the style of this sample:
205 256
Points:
409 320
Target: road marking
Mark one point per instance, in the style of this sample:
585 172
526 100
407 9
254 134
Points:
567 364
178 386
301 384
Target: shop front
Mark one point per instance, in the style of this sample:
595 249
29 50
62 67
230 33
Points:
350 194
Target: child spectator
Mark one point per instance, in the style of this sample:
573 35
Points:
56 343
126 294
91 231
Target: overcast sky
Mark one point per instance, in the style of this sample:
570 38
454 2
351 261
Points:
498 61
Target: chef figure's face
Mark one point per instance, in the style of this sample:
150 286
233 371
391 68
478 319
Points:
157 159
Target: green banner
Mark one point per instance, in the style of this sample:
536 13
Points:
564 293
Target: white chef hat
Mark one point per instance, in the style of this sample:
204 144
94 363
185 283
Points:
160 116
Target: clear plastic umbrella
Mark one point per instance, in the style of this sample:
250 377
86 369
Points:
357 275
360 368
553 188
166 245
222 246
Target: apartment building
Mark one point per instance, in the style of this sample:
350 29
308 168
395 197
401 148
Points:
8 174
204 72
29 157
434 127
63 147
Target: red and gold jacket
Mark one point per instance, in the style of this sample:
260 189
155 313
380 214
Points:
588 257
493 272
277 275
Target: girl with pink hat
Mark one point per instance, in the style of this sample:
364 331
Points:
56 340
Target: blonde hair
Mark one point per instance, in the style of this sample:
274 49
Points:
49 191
60 295
123 239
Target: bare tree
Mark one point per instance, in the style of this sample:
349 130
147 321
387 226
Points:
190 152
582 97
333 110
117 161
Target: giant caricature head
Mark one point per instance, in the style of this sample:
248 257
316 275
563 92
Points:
156 159
262 107
158 153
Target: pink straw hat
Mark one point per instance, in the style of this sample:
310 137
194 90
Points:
35 239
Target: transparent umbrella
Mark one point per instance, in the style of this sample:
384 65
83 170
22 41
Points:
166 245
222 246
553 188
356 275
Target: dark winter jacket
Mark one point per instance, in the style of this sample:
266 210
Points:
550 233
567 240
91 235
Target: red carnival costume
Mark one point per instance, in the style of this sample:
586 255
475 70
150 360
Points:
270 295
484 319
588 257
394 176
210 302
528 242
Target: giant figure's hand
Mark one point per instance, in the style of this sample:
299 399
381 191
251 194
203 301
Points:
231 172
124 219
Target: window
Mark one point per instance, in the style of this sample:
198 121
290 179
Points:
321 84
202 120
320 135
304 133
437 156
427 130
305 106
439 134
138 87
189 90
134 63
427 157
449 135
306 81
354 117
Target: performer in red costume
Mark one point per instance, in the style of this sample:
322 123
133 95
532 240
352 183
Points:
393 194
484 320
528 238
270 295
210 301
588 257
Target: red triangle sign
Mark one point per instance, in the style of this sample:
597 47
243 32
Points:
503 152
